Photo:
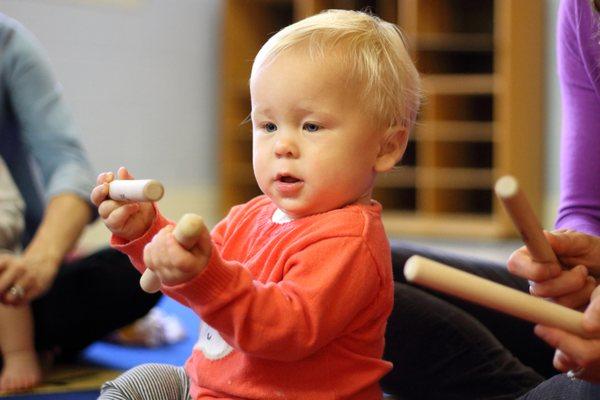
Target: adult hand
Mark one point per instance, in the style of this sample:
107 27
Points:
578 252
125 219
575 353
23 278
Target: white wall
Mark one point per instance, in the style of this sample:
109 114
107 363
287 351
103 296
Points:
140 78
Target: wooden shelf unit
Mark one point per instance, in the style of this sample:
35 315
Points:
481 63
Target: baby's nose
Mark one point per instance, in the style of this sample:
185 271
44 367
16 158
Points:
286 147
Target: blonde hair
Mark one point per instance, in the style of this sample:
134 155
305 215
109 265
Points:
372 51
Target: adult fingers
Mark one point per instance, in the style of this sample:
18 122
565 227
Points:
570 243
5 259
563 363
7 265
573 248
521 264
596 293
22 291
576 351
591 318
580 298
8 279
567 282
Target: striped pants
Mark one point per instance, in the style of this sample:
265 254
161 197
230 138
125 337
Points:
148 382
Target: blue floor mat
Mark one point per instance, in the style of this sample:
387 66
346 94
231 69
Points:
114 356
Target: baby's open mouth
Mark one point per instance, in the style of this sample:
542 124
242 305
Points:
288 179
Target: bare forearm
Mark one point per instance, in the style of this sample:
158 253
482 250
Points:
64 219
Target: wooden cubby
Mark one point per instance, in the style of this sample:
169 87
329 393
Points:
481 64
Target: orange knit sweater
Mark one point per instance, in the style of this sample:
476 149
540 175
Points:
292 310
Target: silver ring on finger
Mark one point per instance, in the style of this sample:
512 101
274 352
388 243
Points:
17 291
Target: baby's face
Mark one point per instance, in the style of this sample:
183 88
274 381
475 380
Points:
314 149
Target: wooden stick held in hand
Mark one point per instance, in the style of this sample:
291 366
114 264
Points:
520 211
136 190
186 232
491 294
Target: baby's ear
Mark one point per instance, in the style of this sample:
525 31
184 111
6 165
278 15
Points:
393 145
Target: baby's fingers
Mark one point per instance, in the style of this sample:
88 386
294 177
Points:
99 194
117 219
105 177
156 252
123 173
106 207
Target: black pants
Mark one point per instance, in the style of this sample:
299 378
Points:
446 348
89 298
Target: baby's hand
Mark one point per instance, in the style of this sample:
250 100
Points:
125 219
171 261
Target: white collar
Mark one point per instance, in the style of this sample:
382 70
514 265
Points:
280 217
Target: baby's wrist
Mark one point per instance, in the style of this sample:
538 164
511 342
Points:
132 236
145 234
199 270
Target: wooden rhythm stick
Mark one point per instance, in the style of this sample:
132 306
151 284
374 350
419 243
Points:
522 215
186 232
491 294
136 190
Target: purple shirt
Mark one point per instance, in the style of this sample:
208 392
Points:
579 73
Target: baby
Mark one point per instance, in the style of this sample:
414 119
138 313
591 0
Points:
294 287
20 365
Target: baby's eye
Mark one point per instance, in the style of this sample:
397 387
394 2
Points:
270 127
310 127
